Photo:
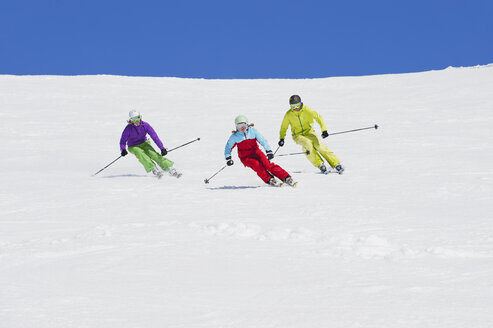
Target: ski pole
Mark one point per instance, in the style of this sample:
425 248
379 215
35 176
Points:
303 152
184 144
207 180
107 165
371 127
277 149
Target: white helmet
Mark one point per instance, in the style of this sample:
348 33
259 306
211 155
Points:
134 115
241 119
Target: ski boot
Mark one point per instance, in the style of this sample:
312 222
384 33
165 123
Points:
339 168
323 168
290 182
273 182
157 172
174 173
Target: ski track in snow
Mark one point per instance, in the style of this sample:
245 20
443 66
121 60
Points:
322 244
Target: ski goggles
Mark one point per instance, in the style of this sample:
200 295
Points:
135 119
295 106
240 126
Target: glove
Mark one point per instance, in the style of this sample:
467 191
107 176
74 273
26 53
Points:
229 161
325 134
164 152
124 152
281 143
270 155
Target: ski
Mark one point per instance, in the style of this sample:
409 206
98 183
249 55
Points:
282 184
331 171
287 184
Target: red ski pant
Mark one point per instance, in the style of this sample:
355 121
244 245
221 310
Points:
258 162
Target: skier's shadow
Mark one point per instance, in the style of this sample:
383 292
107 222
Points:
125 176
233 187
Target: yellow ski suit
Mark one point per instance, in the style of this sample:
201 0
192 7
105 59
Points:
303 134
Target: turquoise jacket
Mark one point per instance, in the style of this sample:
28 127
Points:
246 142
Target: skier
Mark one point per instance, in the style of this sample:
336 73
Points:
301 117
246 137
134 135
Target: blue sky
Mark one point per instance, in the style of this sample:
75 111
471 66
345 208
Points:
242 39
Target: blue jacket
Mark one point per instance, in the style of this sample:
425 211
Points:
246 142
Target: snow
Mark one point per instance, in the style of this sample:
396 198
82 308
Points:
404 238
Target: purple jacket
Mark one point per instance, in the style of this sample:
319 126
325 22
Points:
134 135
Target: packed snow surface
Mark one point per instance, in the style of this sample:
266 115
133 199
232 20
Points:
404 238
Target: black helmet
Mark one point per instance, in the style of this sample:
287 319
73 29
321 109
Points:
294 99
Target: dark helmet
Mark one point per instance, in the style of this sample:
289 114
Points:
294 99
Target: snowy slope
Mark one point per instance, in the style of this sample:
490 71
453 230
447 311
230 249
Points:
403 239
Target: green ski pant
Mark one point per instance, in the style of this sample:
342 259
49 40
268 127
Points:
146 155
317 149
